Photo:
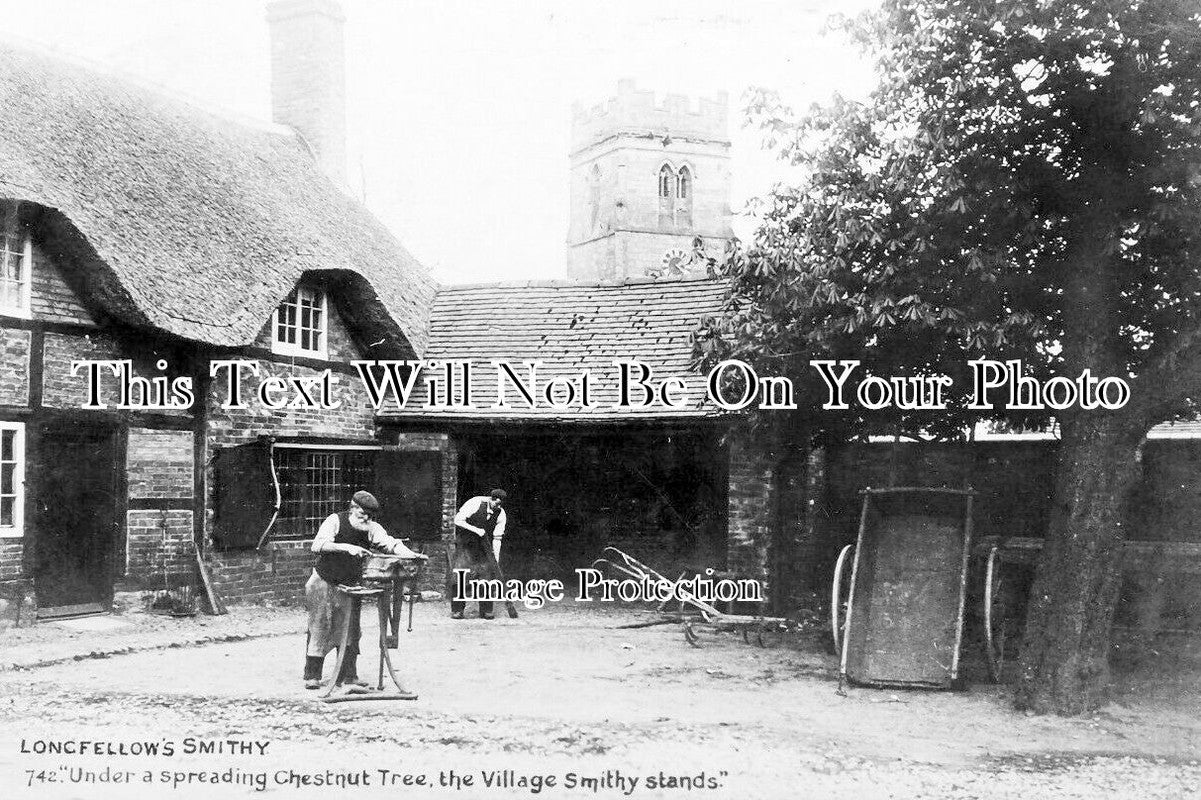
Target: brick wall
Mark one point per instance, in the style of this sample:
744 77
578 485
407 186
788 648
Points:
340 344
1014 482
159 464
278 572
14 367
308 83
434 575
11 550
353 419
17 605
51 298
750 514
1170 502
16 591
275 574
158 550
157 541
62 390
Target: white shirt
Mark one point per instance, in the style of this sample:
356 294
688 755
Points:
472 506
375 534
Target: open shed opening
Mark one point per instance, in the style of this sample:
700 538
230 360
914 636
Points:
657 494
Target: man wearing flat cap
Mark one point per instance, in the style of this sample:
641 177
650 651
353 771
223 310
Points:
342 541
479 528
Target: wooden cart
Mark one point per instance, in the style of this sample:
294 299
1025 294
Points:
903 623
1008 571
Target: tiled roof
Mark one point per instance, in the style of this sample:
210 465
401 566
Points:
569 328
196 225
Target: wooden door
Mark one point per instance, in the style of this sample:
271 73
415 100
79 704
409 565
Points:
76 518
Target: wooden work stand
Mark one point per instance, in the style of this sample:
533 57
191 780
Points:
388 600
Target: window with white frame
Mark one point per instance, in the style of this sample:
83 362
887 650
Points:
16 263
301 323
12 479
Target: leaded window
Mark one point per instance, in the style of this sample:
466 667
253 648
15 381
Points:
315 483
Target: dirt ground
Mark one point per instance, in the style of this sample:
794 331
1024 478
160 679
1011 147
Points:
559 694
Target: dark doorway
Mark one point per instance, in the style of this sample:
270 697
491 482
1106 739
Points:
76 518
658 494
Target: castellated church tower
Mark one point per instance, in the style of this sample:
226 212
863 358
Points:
647 179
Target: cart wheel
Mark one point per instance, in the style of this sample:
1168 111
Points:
690 635
836 597
769 635
995 616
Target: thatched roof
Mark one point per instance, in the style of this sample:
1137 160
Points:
198 225
569 328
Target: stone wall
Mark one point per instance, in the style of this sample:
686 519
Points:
615 229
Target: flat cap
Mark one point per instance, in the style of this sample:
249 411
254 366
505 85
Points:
366 501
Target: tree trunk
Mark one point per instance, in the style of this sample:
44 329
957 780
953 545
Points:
1065 653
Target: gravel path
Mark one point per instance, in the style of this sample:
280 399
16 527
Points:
558 694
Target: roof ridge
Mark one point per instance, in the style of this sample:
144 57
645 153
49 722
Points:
563 283
168 92
84 143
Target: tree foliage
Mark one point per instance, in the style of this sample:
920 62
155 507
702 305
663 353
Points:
1023 182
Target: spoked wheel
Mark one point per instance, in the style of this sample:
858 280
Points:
995 616
838 596
768 635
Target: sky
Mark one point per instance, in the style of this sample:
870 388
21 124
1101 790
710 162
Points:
459 111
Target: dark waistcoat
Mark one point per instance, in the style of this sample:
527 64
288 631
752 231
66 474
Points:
343 567
480 519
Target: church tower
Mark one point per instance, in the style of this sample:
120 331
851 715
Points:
647 179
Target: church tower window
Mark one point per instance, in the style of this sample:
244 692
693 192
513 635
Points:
684 199
667 197
593 198
667 182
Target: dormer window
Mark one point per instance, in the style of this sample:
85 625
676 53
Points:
16 263
300 324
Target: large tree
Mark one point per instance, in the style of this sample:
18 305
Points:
1024 182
